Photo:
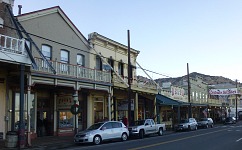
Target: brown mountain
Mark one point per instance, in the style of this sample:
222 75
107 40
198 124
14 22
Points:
211 80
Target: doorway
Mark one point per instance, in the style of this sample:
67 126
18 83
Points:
45 118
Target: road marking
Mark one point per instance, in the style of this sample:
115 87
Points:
238 140
152 145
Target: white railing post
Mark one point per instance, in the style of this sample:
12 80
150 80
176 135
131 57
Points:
5 41
95 72
22 45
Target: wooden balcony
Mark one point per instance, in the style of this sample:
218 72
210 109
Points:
72 71
12 50
136 85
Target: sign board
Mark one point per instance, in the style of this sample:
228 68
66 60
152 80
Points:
64 102
230 91
123 104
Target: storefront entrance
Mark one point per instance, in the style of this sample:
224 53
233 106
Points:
44 118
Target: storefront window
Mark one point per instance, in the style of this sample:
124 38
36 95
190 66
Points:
65 119
27 105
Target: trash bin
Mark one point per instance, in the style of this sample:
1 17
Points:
11 139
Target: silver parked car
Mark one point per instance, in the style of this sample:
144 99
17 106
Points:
205 123
186 124
103 131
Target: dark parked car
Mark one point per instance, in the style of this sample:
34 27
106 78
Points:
230 120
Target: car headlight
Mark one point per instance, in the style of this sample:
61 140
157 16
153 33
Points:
135 129
88 133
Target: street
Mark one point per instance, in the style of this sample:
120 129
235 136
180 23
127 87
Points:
223 137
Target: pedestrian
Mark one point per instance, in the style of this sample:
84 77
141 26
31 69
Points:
39 127
125 121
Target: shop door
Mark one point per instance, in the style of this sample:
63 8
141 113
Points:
44 118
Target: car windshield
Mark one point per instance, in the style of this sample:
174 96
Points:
139 122
203 119
95 126
184 121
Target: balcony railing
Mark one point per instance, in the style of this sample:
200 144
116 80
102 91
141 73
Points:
135 83
12 45
74 71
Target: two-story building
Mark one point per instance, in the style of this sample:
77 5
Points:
114 56
15 61
72 79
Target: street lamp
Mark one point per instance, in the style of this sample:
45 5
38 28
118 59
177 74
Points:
75 99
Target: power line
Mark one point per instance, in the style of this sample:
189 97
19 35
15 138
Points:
81 50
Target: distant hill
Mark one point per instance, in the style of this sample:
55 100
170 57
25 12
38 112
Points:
211 80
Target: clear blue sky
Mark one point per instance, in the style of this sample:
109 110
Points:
207 34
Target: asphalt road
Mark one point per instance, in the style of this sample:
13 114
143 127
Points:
223 137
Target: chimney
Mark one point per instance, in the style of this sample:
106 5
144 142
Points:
19 9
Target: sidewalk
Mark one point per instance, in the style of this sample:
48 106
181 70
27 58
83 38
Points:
46 143
52 142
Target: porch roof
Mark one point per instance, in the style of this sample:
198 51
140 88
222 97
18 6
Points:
163 100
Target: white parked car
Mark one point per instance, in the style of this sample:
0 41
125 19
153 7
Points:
102 131
146 127
187 124
205 122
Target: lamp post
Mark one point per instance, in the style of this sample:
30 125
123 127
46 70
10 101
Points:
75 99
236 99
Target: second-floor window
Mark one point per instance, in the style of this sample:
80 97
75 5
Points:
80 60
46 51
64 60
98 63
121 68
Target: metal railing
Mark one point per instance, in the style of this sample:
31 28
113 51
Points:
74 71
12 45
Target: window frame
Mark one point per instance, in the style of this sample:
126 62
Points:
83 60
50 51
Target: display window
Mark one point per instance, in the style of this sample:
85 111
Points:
66 119
27 105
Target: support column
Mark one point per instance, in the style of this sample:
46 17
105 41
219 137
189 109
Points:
55 114
155 114
28 110
136 107
21 139
109 106
75 100
89 110
179 113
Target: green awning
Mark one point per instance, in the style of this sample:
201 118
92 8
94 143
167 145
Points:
163 100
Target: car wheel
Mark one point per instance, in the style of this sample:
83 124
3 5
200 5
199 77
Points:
124 137
141 134
206 126
160 132
195 127
211 125
97 140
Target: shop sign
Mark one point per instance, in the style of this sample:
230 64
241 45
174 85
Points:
230 91
123 104
64 102
177 92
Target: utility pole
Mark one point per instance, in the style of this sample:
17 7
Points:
129 83
236 99
188 93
